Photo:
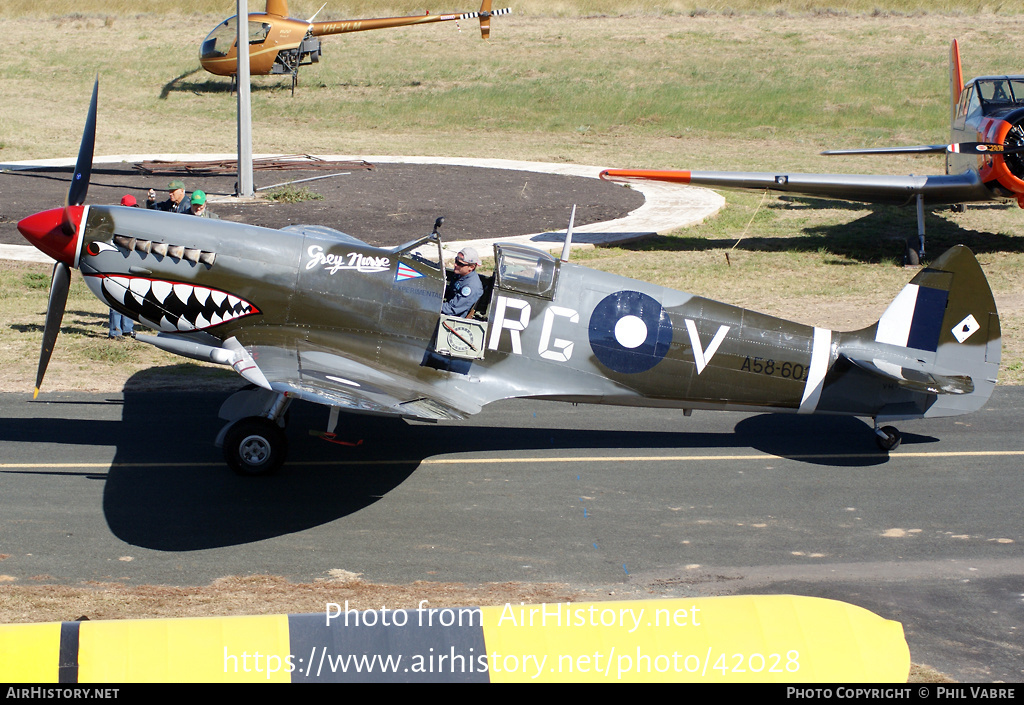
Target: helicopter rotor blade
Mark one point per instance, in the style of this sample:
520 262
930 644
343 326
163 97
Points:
59 286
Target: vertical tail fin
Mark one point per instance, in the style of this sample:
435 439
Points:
944 334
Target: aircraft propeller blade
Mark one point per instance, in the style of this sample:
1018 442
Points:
957 147
60 283
83 165
59 286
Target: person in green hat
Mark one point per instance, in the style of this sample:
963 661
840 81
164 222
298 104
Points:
198 205
176 201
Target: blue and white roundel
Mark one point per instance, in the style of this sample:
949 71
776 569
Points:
630 332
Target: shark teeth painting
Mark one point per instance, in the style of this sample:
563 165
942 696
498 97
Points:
169 306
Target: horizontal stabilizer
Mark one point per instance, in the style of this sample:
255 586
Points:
917 379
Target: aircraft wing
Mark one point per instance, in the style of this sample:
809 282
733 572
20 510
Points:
867 188
334 380
322 377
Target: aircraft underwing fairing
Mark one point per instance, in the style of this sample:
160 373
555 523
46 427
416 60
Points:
311 313
984 161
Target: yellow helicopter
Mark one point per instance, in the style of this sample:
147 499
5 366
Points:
279 44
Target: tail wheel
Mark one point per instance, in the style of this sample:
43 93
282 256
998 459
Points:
255 446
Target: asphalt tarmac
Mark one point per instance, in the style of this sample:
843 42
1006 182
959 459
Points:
128 487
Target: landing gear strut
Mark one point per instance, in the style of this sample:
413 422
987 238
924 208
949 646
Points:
914 252
887 437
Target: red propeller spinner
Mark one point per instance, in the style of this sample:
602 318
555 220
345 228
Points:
47 231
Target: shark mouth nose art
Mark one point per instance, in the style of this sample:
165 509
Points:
170 306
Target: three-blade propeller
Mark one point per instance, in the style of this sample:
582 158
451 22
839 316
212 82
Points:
61 280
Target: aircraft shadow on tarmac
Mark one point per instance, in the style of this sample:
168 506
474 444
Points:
168 488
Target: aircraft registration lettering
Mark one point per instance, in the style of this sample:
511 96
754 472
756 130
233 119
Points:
772 368
558 350
332 263
512 325
338 27
703 356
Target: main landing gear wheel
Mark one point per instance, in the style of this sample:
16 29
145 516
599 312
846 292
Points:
911 258
255 446
888 438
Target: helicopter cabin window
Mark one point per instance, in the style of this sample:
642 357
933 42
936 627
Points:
526 270
220 41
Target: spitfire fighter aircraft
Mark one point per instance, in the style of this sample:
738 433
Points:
308 312
984 162
279 44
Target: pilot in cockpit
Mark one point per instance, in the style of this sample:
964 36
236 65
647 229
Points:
465 288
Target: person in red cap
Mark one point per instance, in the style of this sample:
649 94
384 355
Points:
120 325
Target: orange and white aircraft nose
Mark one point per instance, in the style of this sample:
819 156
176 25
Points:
47 231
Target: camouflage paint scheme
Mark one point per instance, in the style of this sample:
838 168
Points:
330 319
308 312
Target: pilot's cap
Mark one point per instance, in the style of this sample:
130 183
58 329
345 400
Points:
469 255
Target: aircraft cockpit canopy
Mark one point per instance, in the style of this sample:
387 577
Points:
1001 92
526 270
992 94
220 41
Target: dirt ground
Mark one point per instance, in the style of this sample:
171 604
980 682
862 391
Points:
384 206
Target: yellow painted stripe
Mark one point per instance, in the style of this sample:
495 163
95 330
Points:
766 638
29 653
523 460
185 650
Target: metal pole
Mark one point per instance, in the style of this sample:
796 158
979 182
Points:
245 179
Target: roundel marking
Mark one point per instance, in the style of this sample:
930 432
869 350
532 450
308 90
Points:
629 332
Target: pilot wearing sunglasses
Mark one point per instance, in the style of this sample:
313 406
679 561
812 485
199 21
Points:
465 288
